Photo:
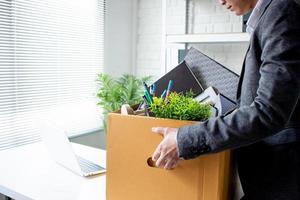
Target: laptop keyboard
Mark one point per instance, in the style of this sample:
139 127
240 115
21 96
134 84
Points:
87 166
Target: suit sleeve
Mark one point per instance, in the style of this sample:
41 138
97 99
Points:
277 95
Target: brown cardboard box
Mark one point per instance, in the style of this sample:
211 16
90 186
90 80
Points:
129 177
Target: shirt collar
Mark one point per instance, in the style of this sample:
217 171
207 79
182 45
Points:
255 15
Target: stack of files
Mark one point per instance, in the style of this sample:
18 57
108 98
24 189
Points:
221 104
198 72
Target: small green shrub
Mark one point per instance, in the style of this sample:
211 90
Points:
179 106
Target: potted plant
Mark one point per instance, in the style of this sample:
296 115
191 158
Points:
113 92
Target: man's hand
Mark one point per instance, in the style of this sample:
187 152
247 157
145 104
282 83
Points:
166 154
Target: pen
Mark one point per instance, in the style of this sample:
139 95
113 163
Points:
147 94
148 97
170 85
146 87
163 94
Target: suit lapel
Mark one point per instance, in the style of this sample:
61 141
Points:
244 63
268 2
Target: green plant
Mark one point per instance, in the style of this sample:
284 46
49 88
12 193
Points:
179 106
113 92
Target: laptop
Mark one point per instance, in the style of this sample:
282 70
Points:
60 148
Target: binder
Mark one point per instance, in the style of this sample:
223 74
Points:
183 78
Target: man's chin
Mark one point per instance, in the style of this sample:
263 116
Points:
239 12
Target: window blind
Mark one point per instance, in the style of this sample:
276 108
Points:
50 54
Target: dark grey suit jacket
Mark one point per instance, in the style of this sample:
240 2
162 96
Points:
268 92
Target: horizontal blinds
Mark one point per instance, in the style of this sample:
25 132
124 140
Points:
50 54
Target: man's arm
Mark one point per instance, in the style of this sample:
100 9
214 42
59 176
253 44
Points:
277 94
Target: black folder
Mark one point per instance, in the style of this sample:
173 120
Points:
183 78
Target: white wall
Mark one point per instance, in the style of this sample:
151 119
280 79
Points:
120 31
208 16
205 16
148 38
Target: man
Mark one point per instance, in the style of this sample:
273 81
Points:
265 129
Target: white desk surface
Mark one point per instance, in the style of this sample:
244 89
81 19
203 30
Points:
28 172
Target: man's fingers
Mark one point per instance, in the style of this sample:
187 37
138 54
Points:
175 164
167 149
160 162
172 161
169 165
156 153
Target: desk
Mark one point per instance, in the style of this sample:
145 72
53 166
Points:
28 172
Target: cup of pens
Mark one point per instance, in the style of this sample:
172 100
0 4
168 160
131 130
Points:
150 96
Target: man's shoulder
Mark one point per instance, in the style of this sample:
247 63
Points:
285 3
280 7
279 11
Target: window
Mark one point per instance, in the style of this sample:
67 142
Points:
50 54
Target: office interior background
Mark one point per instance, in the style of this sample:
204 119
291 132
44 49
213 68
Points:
52 50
